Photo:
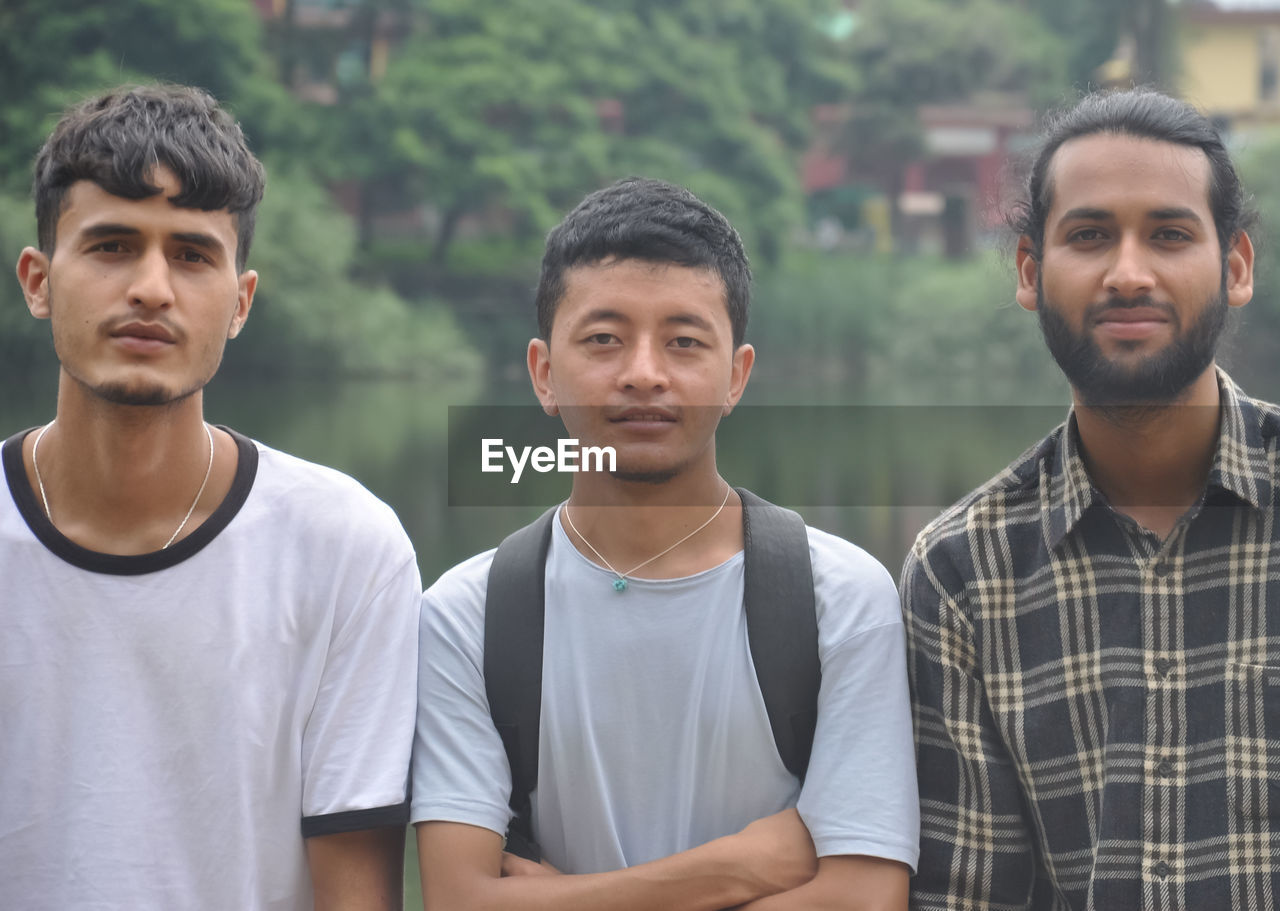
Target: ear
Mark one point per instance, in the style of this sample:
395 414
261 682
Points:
1239 271
247 285
1028 267
743 360
33 276
539 360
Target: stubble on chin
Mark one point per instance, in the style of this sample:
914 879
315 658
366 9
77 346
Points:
654 478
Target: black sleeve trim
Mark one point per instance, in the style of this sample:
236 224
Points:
355 820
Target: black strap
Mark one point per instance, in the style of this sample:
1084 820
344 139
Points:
782 632
782 624
513 620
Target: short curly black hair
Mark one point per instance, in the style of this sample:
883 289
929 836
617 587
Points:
116 140
651 220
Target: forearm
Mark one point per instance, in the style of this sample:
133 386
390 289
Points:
844 883
706 877
462 867
358 871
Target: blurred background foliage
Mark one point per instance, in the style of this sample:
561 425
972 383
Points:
419 150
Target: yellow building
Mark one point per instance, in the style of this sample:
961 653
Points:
1230 61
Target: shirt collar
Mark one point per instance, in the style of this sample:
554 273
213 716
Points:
1240 464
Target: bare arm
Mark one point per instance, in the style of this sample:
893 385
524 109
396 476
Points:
845 883
462 871
358 871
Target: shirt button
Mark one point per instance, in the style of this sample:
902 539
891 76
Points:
1163 869
1162 666
1165 768
1162 568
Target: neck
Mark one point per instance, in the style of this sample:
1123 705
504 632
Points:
1152 461
119 479
631 521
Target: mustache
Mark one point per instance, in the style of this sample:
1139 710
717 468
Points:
1129 303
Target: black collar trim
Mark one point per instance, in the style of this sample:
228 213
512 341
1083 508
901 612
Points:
114 564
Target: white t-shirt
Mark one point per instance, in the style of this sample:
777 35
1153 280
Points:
172 724
654 736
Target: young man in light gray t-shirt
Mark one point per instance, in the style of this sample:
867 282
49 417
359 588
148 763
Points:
659 784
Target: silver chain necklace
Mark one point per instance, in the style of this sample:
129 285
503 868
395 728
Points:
35 463
620 583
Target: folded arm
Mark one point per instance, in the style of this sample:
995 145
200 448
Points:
845 883
462 871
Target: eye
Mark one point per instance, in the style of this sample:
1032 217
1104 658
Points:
107 246
192 256
685 341
1172 234
601 338
1085 236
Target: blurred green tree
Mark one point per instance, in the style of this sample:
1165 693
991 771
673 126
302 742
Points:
907 53
486 112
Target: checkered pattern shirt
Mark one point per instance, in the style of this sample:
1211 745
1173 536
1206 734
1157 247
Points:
1097 711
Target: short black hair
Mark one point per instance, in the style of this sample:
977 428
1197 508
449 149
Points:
116 140
649 220
1142 113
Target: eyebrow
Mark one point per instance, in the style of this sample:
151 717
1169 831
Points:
195 238
94 232
605 314
199 239
1172 213
690 319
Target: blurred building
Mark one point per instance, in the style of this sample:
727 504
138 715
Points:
951 196
1230 59
326 45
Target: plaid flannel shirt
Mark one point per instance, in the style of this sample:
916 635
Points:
1097 711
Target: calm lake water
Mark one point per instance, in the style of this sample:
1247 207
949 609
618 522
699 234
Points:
872 474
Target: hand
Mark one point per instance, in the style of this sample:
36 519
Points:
779 852
515 865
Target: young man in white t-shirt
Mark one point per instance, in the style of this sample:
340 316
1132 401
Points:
208 648
659 784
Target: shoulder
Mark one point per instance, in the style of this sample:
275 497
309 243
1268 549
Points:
453 606
942 553
316 501
853 592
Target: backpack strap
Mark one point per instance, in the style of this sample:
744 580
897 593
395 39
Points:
782 624
513 620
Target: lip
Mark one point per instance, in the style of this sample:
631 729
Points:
643 415
1130 323
143 337
153 331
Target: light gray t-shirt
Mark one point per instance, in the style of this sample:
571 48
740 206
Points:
654 735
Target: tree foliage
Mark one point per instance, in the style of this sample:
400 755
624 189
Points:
908 53
483 111
70 49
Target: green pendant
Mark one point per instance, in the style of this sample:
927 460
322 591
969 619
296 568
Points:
619 584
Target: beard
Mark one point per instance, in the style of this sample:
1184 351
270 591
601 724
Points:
1155 380
148 396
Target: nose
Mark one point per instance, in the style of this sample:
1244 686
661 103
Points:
1129 273
644 368
151 286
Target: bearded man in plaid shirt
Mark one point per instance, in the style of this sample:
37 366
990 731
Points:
1095 633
